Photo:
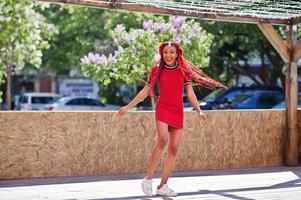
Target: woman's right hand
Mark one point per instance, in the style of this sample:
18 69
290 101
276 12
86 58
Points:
123 110
202 116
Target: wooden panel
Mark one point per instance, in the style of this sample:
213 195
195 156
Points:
51 144
274 38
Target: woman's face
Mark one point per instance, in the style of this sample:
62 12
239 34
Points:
170 55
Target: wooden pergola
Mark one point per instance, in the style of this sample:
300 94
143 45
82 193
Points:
264 13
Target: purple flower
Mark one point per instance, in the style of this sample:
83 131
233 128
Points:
130 37
100 59
103 59
111 58
179 38
118 51
116 40
97 59
85 60
160 27
153 39
93 59
178 22
148 25
195 29
119 28
193 32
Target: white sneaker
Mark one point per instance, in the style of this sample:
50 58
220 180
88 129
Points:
166 191
147 187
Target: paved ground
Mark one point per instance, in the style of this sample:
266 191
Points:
281 183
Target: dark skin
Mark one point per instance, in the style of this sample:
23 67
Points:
174 136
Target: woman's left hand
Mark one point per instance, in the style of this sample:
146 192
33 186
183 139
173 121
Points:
202 116
123 110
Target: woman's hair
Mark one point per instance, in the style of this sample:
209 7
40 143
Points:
190 71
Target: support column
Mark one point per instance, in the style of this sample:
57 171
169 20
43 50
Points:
290 52
291 96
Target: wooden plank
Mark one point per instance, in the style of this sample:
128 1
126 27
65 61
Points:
274 38
297 51
172 11
291 96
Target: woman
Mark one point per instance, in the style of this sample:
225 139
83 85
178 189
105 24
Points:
172 73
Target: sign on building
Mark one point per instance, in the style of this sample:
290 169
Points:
78 87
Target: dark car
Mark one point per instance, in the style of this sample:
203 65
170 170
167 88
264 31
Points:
222 97
254 100
283 106
79 103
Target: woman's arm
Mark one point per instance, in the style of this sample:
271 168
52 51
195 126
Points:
194 102
139 97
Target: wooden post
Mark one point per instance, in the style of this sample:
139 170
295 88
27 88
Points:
290 52
8 71
291 95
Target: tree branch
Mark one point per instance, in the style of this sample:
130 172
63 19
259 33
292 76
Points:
238 68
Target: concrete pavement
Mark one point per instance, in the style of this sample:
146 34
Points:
244 184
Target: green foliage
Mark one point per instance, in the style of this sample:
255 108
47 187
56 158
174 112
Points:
235 46
78 30
137 49
22 35
82 30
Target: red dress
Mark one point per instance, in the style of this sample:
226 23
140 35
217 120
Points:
169 108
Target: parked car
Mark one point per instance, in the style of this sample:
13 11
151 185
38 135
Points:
35 101
254 100
282 104
79 103
221 96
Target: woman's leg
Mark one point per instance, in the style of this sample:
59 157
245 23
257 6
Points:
174 143
162 140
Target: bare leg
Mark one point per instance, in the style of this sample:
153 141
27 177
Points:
162 140
174 143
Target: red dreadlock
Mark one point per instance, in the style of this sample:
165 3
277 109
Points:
190 71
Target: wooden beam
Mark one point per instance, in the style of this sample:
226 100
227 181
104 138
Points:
297 51
291 95
296 20
274 38
136 7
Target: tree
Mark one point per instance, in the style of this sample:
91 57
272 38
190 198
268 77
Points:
137 49
22 38
83 30
235 45
80 30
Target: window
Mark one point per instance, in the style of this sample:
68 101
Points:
266 101
73 102
94 102
41 100
23 99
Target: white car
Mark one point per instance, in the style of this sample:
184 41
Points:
79 103
35 100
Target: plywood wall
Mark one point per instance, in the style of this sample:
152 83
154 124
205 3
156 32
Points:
51 144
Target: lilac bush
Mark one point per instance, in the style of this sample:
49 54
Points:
137 49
